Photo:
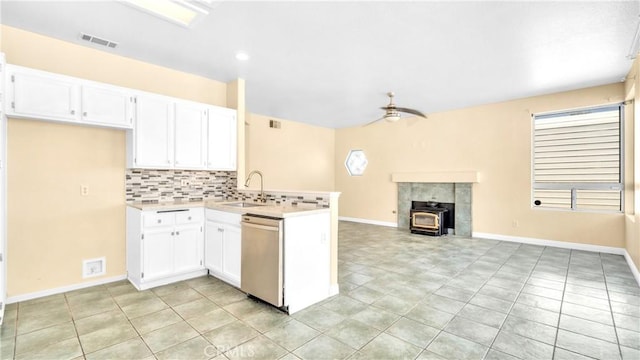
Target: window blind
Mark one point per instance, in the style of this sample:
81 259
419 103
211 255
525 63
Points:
577 159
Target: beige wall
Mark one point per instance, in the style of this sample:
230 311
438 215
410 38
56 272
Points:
51 228
493 139
48 54
295 157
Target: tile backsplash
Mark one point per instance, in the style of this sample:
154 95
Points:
283 197
145 185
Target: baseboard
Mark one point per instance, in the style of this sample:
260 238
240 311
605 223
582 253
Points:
566 245
367 221
63 289
632 265
554 243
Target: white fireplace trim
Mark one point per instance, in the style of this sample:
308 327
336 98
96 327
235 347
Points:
462 176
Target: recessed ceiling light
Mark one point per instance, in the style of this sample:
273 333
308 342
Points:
176 11
242 56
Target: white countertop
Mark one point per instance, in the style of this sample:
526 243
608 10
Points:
272 210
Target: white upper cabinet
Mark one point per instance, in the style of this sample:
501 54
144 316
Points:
190 135
179 134
40 95
222 139
168 133
152 138
107 105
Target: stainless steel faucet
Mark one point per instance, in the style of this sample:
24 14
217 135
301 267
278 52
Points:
261 198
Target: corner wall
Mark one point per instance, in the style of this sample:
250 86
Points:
632 219
493 139
296 156
51 228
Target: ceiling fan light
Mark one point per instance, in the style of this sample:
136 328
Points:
392 117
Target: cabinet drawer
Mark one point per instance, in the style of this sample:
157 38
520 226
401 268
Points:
189 217
224 217
153 218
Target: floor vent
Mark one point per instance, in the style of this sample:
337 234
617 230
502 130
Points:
98 41
93 267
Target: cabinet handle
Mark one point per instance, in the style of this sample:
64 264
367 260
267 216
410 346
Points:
159 221
189 218
220 229
73 112
177 232
84 114
168 161
172 233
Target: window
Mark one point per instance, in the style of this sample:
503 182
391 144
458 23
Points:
577 159
356 162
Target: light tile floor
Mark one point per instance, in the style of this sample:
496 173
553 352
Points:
402 296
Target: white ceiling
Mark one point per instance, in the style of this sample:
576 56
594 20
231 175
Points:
331 63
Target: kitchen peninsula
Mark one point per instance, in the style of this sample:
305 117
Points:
171 241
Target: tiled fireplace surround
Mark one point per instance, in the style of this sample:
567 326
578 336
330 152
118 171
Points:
457 193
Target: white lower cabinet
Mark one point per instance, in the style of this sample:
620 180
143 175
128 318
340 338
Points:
223 244
164 246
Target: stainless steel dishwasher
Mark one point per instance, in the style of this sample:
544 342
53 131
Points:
262 258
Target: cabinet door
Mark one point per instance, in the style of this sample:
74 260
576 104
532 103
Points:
232 254
153 133
187 249
43 96
157 250
222 139
190 135
105 105
213 246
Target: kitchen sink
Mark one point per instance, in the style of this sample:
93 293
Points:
243 204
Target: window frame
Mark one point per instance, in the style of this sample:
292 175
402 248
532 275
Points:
574 187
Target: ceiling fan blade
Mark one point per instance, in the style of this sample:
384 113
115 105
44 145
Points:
373 122
412 111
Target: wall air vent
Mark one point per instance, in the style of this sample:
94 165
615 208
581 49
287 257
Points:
98 41
274 124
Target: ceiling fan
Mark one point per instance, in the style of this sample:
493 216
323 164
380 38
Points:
393 112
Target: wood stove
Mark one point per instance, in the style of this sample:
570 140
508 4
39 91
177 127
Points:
431 218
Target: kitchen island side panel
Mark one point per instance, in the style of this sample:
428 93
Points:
307 260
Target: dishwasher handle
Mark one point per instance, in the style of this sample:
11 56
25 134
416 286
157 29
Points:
261 227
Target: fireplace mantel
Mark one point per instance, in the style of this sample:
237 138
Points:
436 177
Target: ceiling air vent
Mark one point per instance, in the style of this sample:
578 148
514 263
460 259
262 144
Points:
97 40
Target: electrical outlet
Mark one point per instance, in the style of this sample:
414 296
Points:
84 190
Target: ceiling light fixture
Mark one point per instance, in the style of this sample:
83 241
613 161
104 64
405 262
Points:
392 116
242 56
635 45
176 11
